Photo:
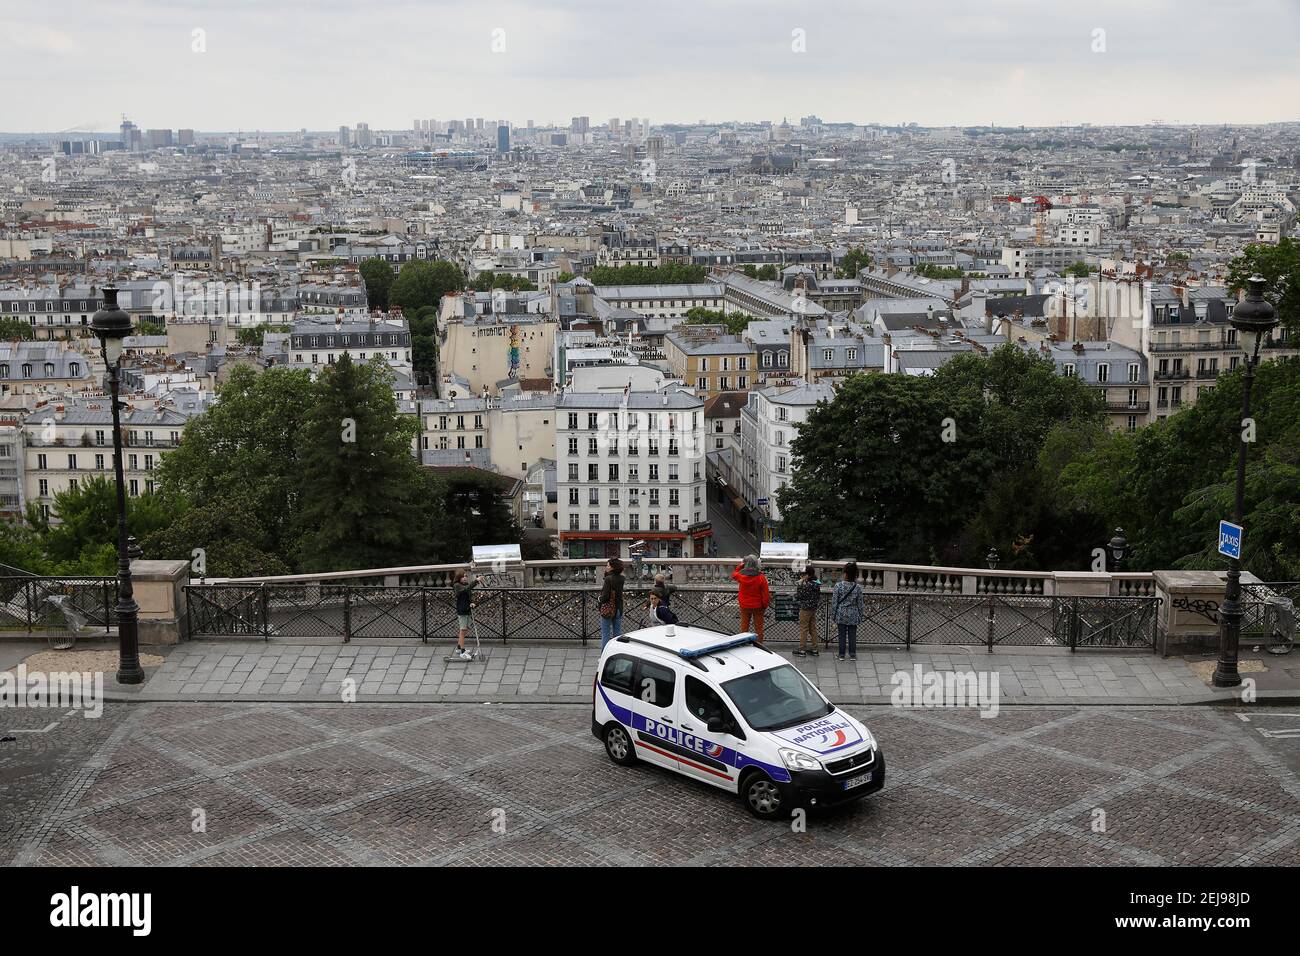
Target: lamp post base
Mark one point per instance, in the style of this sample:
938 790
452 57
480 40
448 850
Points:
1226 678
128 674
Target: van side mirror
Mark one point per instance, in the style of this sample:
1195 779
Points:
719 725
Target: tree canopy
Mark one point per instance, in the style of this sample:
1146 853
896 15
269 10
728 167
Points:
378 276
1280 266
935 470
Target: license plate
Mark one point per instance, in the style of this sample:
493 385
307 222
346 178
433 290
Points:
857 781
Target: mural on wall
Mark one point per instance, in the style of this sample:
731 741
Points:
513 370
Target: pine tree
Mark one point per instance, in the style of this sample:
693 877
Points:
366 502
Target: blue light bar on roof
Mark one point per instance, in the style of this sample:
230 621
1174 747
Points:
736 640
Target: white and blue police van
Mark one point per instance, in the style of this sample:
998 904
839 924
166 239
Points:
726 710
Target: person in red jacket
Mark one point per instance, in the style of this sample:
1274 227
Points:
754 595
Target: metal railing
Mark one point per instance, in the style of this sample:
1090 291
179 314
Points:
537 614
1254 598
25 604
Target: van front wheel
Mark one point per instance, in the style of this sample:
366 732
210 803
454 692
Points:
762 797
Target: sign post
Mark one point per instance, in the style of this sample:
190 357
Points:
1230 536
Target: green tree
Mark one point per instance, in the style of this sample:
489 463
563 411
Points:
84 539
670 273
1280 267
733 322
149 327
423 283
473 513
243 451
929 271
1171 482
378 276
233 542
365 501
11 329
855 260
872 470
767 273
1079 270
20 548
564 277
488 280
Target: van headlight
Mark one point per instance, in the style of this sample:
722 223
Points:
794 760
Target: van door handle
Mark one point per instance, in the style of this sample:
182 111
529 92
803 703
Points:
687 727
664 720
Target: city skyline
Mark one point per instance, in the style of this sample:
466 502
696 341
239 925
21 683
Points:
1008 63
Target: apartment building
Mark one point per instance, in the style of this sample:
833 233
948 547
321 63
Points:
1120 373
771 341
53 312
488 351
12 500
27 368
321 340
828 351
769 422
1190 341
70 440
709 360
656 301
509 433
631 468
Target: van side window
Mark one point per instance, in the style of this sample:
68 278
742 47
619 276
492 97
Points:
654 684
618 673
704 704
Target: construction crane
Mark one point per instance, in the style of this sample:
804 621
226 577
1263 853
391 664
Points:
1040 217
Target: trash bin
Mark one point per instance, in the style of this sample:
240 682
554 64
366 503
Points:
63 622
1279 624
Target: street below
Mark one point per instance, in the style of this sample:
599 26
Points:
258 784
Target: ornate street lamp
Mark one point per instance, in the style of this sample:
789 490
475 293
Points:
992 559
111 325
1253 318
1118 548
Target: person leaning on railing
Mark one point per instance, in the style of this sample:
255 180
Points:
753 595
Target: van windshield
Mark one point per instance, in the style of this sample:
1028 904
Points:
776 698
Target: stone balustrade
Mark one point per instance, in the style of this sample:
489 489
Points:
715 572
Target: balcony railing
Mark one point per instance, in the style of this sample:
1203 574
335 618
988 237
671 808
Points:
1173 375
1130 408
1195 347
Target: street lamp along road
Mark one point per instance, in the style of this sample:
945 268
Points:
1253 318
1118 548
112 325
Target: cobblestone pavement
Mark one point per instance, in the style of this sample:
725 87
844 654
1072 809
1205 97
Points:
239 784
413 671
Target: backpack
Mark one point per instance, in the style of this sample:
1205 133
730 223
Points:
663 614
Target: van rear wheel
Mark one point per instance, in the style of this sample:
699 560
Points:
618 744
762 797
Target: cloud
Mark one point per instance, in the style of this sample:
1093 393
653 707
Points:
282 64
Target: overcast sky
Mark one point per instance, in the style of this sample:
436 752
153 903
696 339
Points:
320 64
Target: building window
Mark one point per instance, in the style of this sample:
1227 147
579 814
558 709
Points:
1103 372
1068 370
574 520
593 522
1133 368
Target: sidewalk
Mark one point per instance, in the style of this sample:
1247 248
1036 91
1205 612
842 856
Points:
387 673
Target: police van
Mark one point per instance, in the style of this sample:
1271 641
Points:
726 710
